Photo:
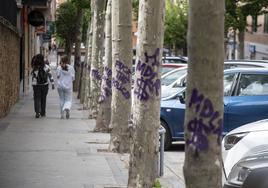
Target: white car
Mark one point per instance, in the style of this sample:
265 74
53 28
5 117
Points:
174 81
242 142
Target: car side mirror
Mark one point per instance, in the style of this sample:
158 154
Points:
182 100
181 97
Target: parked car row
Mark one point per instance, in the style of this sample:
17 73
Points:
245 100
245 145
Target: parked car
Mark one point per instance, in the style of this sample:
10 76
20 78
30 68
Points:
245 64
250 172
167 67
174 59
243 141
245 150
177 84
245 100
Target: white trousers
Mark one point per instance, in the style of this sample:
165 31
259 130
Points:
65 99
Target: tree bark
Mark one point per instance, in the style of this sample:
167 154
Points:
146 111
77 50
96 59
104 114
68 49
88 60
121 74
204 95
84 72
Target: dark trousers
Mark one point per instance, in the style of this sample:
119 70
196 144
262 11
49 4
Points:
40 98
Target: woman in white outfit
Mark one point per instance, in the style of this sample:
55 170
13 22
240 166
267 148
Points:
65 76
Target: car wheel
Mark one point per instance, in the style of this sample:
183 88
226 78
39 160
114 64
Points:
168 140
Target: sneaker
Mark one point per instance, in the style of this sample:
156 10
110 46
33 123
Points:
43 115
67 113
37 115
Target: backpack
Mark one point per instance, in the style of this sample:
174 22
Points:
42 76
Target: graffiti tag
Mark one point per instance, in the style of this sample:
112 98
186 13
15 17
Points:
148 84
207 121
122 77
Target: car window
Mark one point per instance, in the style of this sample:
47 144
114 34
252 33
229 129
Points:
253 84
174 61
181 82
166 69
172 77
227 83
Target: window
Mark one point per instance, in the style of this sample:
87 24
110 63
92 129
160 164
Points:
227 84
172 77
265 23
253 84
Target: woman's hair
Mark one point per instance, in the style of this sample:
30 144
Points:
38 61
64 59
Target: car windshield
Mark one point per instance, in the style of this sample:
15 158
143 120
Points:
172 77
164 70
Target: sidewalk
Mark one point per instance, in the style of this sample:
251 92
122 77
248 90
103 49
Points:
55 153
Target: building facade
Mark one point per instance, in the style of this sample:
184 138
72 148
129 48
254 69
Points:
19 42
10 56
256 38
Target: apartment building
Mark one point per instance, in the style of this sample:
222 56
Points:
256 38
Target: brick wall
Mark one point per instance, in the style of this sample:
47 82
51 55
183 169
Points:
9 68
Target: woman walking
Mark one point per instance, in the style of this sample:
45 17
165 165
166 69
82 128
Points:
65 76
40 75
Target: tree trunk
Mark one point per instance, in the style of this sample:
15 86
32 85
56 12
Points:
121 74
204 95
96 59
84 72
77 51
104 114
241 39
88 60
146 111
68 49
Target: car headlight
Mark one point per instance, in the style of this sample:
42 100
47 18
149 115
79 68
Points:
231 140
238 175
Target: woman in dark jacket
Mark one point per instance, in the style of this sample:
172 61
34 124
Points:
41 73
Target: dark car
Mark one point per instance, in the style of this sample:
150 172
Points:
245 100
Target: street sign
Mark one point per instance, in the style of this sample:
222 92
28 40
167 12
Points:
46 37
252 48
36 18
50 27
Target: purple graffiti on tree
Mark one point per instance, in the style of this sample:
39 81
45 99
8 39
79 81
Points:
123 76
95 74
106 90
207 121
149 84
